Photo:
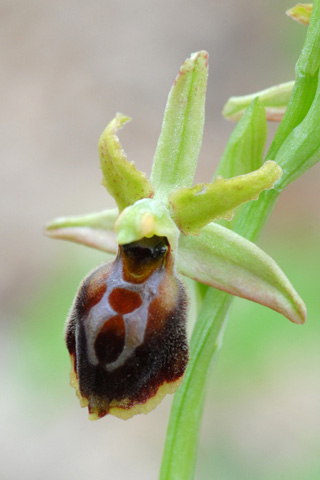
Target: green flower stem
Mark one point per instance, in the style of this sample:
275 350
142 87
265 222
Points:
258 212
185 419
186 413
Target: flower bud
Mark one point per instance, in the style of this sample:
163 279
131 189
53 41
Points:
126 333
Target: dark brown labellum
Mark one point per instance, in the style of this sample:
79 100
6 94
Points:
126 332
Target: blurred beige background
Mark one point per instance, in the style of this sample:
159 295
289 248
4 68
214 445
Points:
66 69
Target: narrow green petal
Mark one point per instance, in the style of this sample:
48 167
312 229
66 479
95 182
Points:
193 208
274 99
180 140
223 259
301 13
120 177
146 218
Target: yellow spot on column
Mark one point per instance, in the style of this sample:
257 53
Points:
147 223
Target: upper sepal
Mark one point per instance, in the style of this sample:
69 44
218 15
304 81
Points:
180 139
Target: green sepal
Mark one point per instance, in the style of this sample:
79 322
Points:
301 13
146 218
180 139
225 260
275 100
95 230
193 208
123 181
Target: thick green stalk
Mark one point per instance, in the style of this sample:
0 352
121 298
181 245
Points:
185 419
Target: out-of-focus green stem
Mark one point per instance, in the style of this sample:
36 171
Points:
185 419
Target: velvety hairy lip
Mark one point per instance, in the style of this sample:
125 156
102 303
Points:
126 333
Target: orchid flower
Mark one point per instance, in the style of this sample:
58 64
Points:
162 229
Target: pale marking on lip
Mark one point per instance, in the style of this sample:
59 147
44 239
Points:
135 322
